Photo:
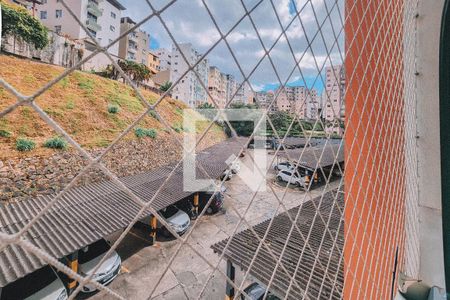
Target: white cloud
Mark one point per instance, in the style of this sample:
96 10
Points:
189 21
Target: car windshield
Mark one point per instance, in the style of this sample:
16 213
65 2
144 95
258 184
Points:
94 250
169 211
28 285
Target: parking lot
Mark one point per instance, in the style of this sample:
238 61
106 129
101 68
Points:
143 264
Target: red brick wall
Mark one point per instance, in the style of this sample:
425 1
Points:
374 146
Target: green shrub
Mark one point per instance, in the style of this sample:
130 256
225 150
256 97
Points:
23 144
56 143
143 132
177 128
113 109
5 133
153 114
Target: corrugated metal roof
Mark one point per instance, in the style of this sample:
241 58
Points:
243 247
86 214
310 157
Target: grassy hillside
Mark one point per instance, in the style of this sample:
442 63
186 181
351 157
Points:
81 103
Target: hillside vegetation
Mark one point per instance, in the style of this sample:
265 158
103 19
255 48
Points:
92 109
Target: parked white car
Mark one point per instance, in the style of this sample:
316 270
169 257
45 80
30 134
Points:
284 166
41 284
90 256
291 177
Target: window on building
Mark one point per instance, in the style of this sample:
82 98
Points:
43 14
58 28
44 1
58 13
112 28
113 15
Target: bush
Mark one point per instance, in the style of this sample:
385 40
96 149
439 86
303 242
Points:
143 132
25 144
21 24
113 109
5 133
154 114
56 143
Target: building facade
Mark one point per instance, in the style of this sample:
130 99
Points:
217 87
333 98
165 58
135 45
153 62
190 88
101 18
299 100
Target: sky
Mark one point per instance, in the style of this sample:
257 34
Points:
189 21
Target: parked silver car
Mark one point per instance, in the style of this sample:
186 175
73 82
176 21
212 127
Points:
177 219
41 284
88 259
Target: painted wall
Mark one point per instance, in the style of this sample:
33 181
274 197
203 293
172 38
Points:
374 147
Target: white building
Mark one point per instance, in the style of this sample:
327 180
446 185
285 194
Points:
165 58
231 86
244 94
333 98
190 88
101 18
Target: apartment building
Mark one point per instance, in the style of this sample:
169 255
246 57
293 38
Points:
313 105
244 94
153 62
190 87
299 100
217 87
102 19
165 58
231 87
264 99
333 98
135 45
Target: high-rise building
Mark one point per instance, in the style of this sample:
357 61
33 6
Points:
165 58
333 98
101 18
299 100
244 94
217 86
190 89
231 87
135 45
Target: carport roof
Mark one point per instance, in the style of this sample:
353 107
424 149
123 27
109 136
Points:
315 157
243 247
87 213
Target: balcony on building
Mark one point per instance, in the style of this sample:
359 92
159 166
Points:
93 8
132 36
92 24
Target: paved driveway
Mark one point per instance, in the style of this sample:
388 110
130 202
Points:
143 265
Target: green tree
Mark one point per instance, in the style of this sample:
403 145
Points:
165 86
16 21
